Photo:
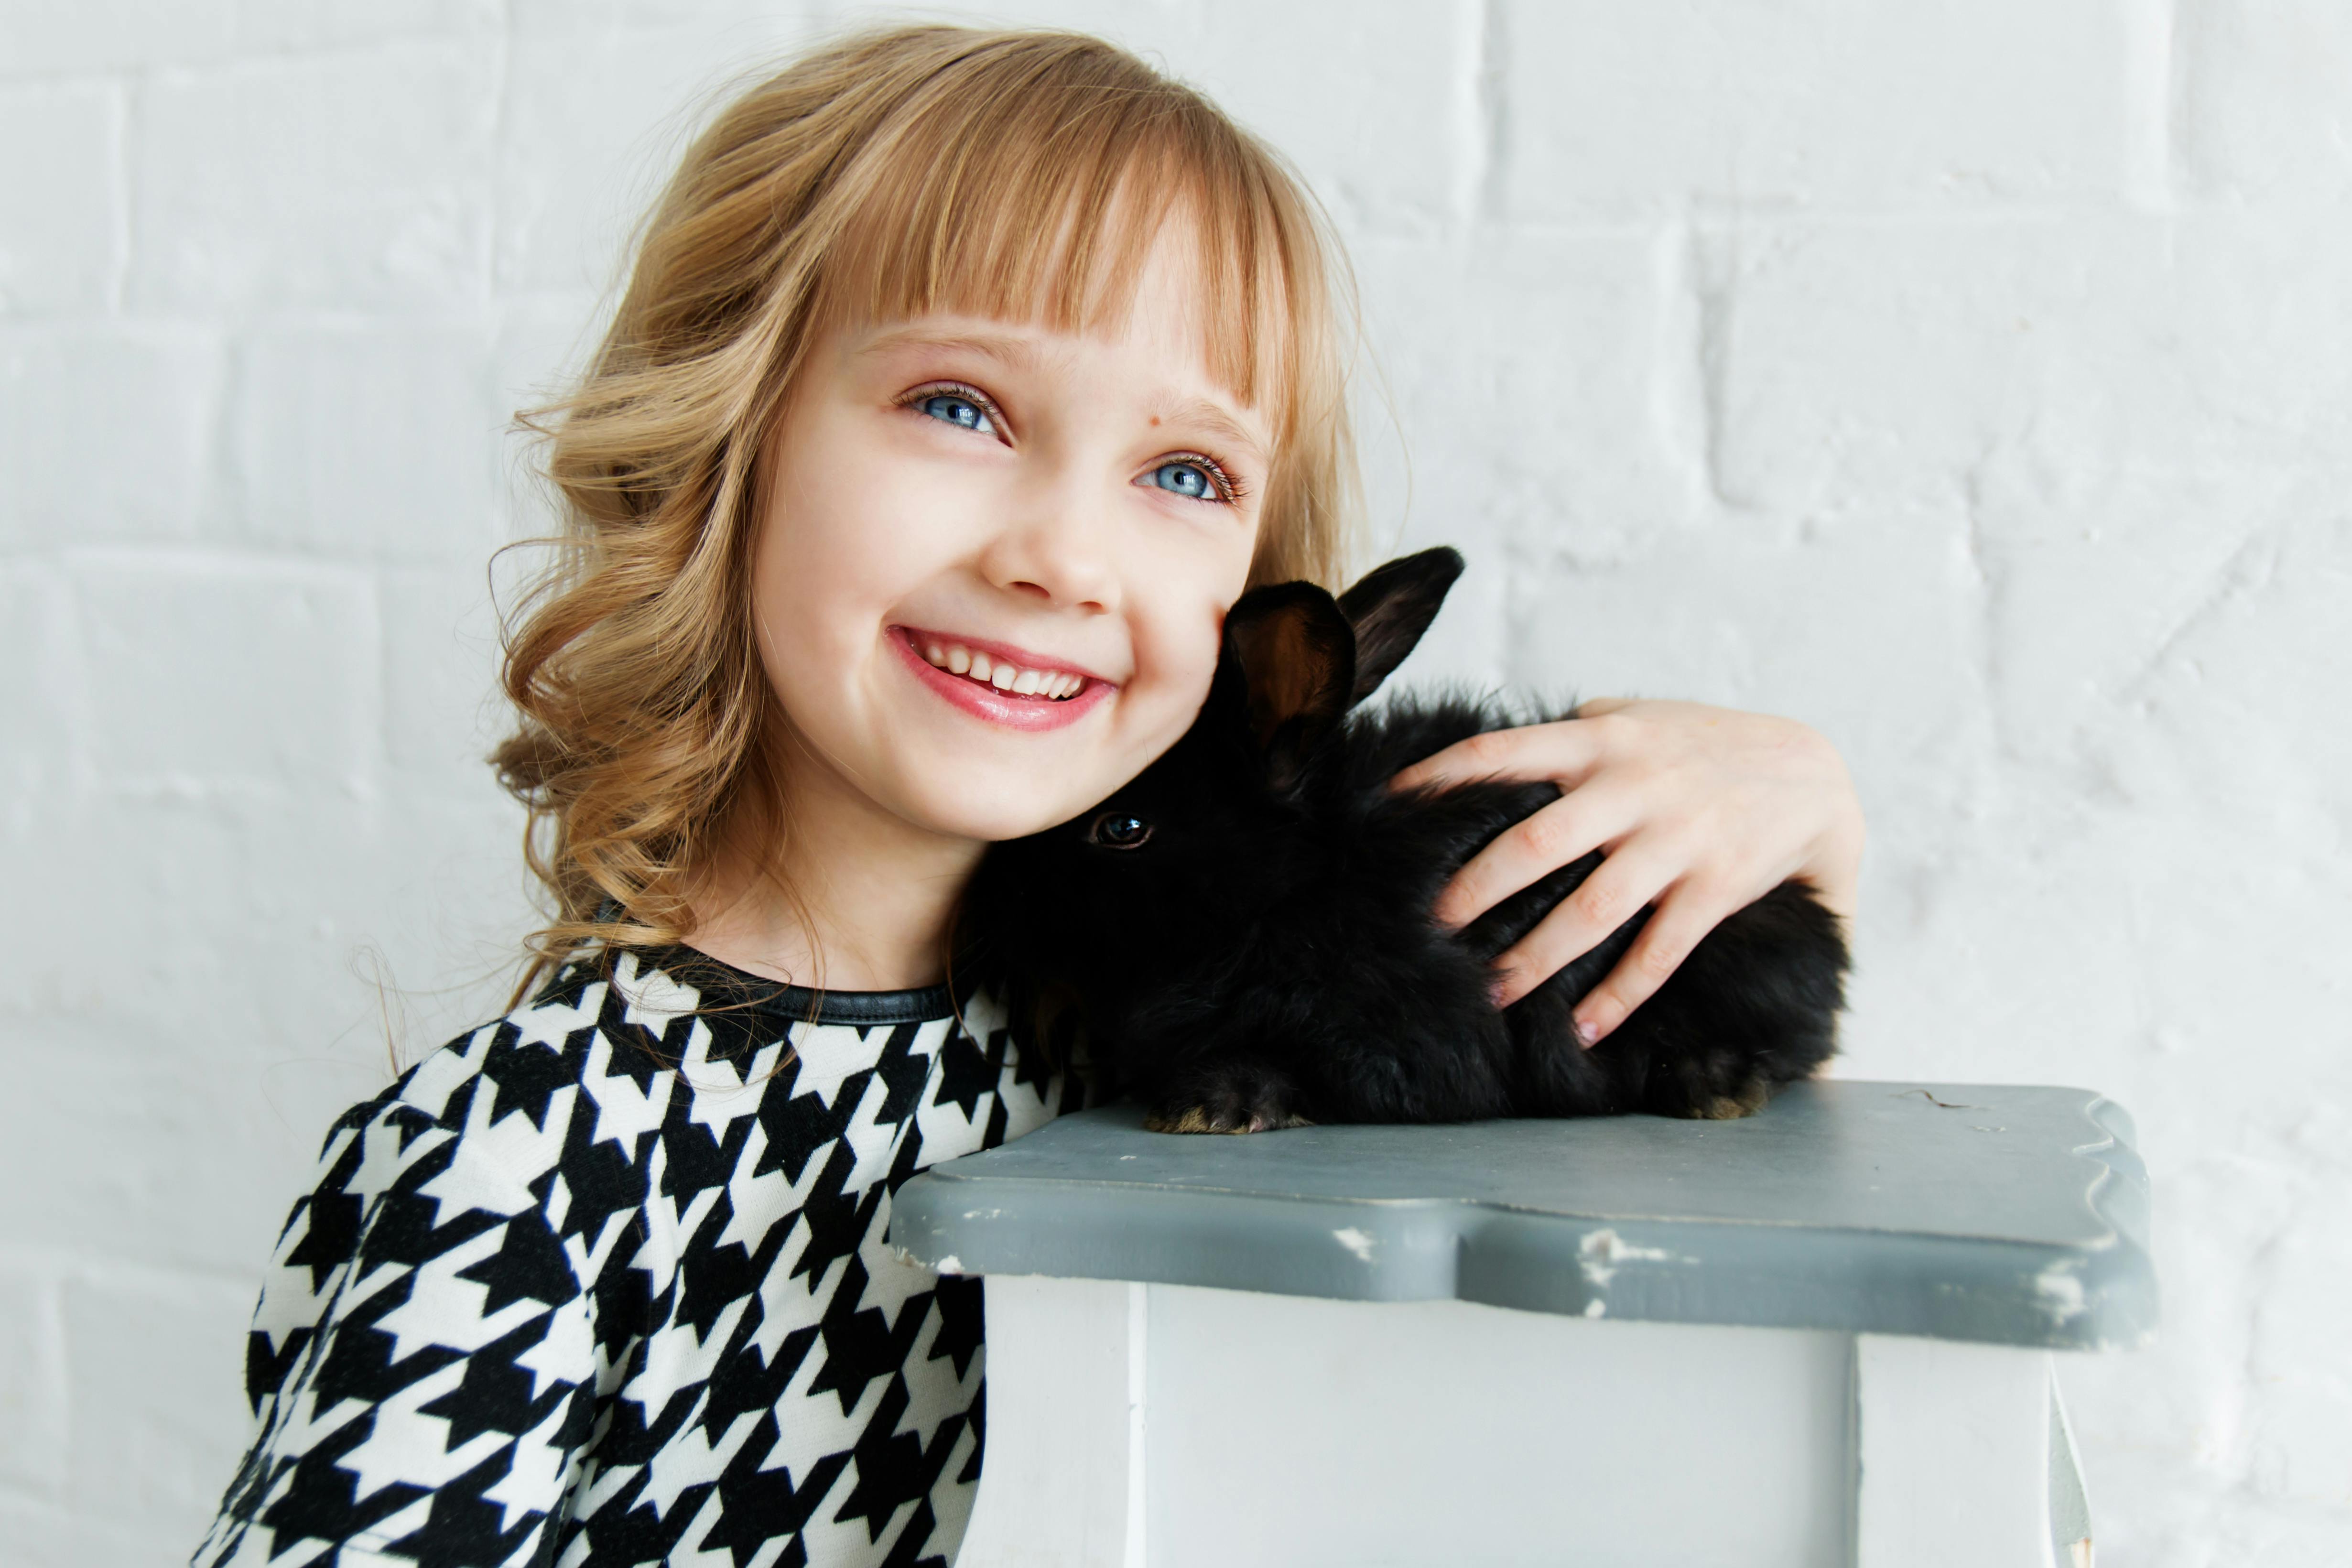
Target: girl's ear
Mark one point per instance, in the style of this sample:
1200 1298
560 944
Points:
1392 607
1298 658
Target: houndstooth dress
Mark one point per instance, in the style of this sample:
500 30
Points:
607 1282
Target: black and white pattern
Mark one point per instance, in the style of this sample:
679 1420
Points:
607 1282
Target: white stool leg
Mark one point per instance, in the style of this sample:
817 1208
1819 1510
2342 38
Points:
2070 1502
1954 1465
1061 1481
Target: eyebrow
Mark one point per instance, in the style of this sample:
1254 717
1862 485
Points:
1010 349
1201 412
1024 354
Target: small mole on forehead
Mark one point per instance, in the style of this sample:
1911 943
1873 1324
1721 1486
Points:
1155 419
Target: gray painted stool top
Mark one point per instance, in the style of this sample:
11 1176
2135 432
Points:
2011 1215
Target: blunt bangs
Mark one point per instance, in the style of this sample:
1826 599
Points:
1034 189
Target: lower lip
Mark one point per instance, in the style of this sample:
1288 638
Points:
987 703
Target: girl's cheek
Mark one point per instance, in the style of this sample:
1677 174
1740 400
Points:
1189 561
1178 642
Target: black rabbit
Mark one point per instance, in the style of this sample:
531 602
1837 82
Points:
1243 936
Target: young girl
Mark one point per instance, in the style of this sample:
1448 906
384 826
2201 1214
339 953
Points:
964 380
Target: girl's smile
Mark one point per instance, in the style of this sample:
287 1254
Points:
999 684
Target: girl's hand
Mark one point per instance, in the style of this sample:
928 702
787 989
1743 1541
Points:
1702 811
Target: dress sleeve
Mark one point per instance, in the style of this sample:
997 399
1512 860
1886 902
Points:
422 1365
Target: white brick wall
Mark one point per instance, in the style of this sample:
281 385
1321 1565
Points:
1972 378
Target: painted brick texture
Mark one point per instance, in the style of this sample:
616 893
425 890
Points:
1973 380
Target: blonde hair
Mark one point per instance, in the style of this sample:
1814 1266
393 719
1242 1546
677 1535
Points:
888 175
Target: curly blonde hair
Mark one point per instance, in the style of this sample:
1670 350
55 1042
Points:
885 176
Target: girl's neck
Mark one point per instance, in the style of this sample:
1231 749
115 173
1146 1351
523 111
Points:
832 891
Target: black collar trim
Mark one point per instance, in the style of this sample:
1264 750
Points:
723 985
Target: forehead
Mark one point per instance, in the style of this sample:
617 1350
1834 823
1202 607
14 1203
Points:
1156 341
1149 254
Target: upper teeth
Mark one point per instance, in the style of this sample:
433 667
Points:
958 660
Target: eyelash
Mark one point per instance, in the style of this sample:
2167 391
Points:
914 399
1229 487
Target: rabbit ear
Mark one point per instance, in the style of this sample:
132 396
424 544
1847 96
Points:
1390 610
1297 657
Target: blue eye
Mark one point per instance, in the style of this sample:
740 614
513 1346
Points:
1190 480
959 412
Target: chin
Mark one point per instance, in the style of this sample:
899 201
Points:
992 815
1009 789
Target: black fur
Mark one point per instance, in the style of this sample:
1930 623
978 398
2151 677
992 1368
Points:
1265 957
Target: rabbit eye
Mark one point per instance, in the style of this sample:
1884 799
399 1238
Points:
1117 830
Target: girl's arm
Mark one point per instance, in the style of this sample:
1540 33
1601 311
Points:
421 1366
1702 811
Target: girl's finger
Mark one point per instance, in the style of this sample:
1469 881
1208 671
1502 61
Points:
1679 924
1565 751
1635 872
1539 843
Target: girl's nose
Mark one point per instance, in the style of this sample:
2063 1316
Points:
1055 552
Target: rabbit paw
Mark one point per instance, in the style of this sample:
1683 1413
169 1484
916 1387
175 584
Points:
1239 1100
1746 1100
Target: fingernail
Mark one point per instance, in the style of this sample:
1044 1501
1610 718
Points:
1498 992
1587 1033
